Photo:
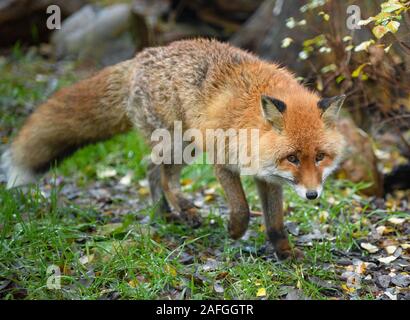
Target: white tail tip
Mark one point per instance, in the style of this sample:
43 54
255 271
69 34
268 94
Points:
16 175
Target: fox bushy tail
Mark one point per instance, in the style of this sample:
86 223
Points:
89 111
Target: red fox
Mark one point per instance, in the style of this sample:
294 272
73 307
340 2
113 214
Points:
203 84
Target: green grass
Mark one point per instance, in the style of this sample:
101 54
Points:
141 261
102 258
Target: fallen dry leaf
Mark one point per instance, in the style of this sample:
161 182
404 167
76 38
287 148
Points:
126 180
261 292
387 260
86 259
186 182
369 247
390 249
106 173
383 230
209 198
380 230
171 270
360 267
323 215
143 191
348 289
396 221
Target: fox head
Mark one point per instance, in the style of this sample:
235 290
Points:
300 142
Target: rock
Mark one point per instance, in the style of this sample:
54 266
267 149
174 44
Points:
360 162
296 294
383 281
99 35
401 280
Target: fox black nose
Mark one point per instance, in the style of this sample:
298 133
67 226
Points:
311 194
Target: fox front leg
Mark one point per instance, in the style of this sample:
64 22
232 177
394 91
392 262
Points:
271 196
239 209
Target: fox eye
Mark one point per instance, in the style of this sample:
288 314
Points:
293 159
320 156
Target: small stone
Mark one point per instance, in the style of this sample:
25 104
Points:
401 280
384 281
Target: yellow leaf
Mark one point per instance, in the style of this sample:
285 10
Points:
185 182
390 204
348 289
341 175
325 16
323 215
171 270
133 283
393 26
143 191
391 6
358 71
209 198
349 48
379 31
261 292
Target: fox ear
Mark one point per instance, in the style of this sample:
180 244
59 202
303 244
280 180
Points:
330 108
272 110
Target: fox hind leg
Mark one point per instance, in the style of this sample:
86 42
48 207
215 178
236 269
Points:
170 182
155 188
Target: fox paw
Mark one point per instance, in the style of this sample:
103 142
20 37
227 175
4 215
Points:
191 217
291 254
236 231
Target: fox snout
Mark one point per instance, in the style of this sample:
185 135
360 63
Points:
310 193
